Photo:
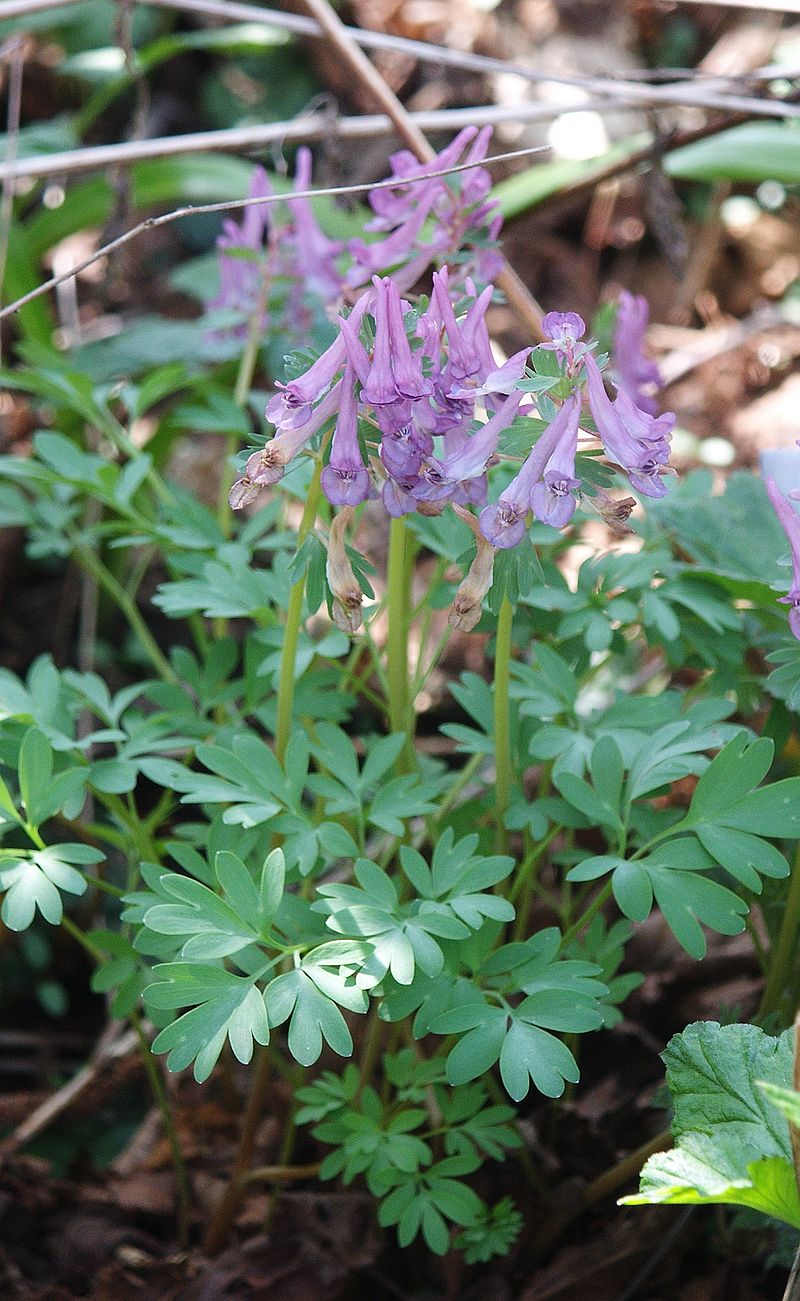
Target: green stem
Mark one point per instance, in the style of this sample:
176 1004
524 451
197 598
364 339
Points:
241 390
294 615
397 652
463 778
502 721
591 912
784 955
94 566
371 1048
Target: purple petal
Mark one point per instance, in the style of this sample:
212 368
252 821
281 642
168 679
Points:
502 525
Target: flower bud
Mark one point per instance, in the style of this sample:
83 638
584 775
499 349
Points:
466 610
347 595
242 493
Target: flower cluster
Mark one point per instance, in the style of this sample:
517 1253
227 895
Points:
428 220
790 523
418 404
268 249
424 220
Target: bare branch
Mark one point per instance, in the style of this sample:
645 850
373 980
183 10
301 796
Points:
681 91
230 205
256 137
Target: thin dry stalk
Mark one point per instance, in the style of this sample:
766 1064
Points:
231 205
676 92
425 51
255 137
114 1044
15 54
508 282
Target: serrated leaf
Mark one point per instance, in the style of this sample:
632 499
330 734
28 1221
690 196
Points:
731 1145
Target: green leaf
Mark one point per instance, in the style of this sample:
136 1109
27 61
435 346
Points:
587 800
772 810
35 883
738 767
532 1054
314 1017
753 152
732 1146
786 1100
35 775
743 856
223 1006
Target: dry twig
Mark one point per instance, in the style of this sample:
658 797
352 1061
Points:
681 90
113 1045
230 205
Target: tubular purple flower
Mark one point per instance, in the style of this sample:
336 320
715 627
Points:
503 523
315 253
291 408
345 480
393 206
266 467
431 483
469 460
395 372
357 355
634 440
239 279
563 329
473 330
403 451
501 379
397 500
790 523
389 252
552 499
463 359
477 183
409 380
380 387
634 371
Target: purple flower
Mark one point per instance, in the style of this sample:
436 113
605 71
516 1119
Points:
552 499
395 371
345 480
563 330
461 219
402 452
397 500
790 523
392 251
240 278
634 372
292 407
469 459
394 206
267 466
636 441
501 379
432 482
315 254
503 524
